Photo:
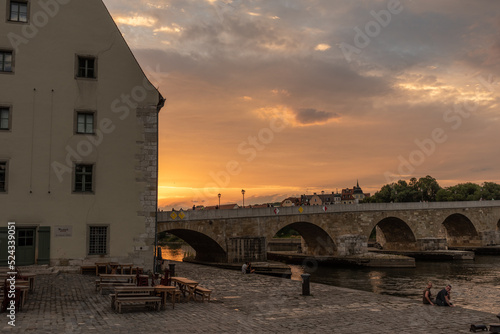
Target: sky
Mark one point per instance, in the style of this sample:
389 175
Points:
289 97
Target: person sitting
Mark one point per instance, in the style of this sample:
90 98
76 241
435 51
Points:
244 268
427 297
249 268
443 297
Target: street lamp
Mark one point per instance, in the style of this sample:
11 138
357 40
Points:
243 193
219 200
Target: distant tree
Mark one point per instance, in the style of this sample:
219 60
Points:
427 189
490 190
460 192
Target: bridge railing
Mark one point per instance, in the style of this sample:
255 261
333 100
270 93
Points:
188 215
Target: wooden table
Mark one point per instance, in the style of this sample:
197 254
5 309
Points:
125 265
185 285
31 279
114 267
101 264
24 287
165 290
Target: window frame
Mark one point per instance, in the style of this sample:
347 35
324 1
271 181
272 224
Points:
12 62
89 235
8 11
75 178
94 121
9 119
77 67
5 188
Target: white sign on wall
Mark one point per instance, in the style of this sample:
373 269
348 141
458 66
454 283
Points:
64 231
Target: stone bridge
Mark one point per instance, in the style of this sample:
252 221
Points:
335 230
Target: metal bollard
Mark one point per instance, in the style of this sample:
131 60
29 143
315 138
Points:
171 267
305 284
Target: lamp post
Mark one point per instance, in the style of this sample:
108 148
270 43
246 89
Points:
219 200
243 193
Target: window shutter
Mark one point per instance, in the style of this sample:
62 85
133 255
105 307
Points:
44 245
3 246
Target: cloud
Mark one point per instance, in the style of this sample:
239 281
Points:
313 116
226 74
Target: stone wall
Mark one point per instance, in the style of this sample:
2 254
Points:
432 244
146 176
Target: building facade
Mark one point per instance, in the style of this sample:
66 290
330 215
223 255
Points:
78 138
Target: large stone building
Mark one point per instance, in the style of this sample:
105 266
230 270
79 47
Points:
78 137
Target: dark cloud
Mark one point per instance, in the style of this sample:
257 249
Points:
312 116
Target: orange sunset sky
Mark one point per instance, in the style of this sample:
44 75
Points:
288 97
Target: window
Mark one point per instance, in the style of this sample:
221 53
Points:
25 237
3 176
5 61
98 240
86 67
18 11
83 178
4 118
85 122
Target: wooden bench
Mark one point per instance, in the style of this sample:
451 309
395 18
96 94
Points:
110 285
87 269
118 295
111 281
156 301
203 292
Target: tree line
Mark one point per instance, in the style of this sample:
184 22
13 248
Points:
427 189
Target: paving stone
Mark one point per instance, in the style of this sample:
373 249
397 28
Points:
68 303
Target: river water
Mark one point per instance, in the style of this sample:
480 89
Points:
475 284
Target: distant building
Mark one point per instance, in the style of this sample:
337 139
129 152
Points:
291 201
347 196
354 195
79 138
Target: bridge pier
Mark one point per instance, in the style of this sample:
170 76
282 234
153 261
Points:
490 238
351 244
246 249
432 244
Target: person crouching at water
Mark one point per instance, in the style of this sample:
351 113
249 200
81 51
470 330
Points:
427 298
246 268
443 297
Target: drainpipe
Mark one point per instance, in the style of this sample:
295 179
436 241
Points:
159 106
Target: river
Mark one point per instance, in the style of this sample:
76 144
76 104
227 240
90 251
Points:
475 284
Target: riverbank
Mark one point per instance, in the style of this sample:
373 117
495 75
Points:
67 303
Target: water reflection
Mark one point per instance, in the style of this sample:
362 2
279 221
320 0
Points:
177 251
475 283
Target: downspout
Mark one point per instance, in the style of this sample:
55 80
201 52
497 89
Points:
159 106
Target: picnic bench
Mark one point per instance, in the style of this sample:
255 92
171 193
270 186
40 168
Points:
185 285
164 291
203 292
134 295
114 280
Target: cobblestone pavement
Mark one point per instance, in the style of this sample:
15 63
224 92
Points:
68 303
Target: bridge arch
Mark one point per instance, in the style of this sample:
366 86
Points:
459 231
394 234
316 241
207 249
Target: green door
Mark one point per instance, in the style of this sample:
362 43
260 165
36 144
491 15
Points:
25 246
